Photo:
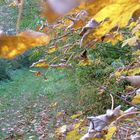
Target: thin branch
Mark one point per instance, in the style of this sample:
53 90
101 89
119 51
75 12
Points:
124 100
20 7
70 58
124 116
112 100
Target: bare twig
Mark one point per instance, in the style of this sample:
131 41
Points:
20 7
70 58
117 96
124 116
112 100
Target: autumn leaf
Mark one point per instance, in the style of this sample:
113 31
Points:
136 31
104 9
13 4
131 71
52 49
40 64
113 37
76 115
131 41
132 25
110 133
61 130
136 53
37 73
136 99
85 62
73 135
11 46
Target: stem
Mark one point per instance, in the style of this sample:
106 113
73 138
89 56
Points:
20 8
112 100
124 100
125 115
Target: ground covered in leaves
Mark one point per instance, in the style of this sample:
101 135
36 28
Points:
23 106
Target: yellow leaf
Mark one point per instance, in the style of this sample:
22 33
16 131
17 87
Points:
55 104
113 37
134 71
85 62
13 4
110 133
118 13
40 64
73 135
132 24
136 53
136 30
76 115
131 41
136 99
61 130
129 72
52 49
38 74
11 46
79 124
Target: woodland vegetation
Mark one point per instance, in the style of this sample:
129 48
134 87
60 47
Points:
69 70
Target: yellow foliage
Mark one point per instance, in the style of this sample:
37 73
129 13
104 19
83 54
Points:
113 37
52 49
76 116
118 13
132 24
133 71
61 130
85 62
40 64
136 53
110 133
131 41
11 46
13 4
38 74
73 135
136 31
136 99
129 72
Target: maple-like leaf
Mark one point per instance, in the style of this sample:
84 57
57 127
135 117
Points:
11 46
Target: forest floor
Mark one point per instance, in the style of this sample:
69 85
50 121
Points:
23 99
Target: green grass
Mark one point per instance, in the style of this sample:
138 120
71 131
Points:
26 90
24 83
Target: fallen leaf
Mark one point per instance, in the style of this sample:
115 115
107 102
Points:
110 133
40 64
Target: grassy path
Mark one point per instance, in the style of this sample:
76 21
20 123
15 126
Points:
23 98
